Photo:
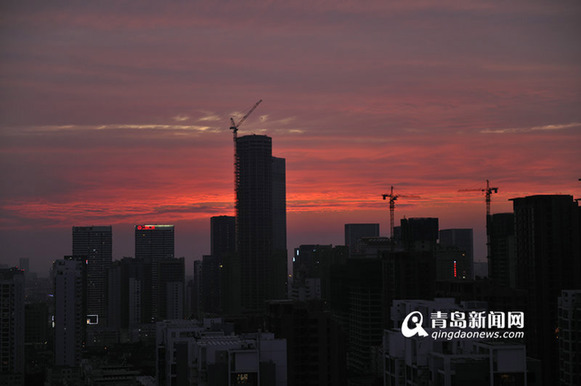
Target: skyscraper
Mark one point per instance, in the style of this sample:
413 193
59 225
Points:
95 244
69 287
154 242
502 264
154 245
222 234
260 222
223 245
548 251
12 322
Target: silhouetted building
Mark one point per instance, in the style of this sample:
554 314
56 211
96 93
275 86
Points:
95 243
306 260
357 303
36 323
12 326
570 337
152 244
548 254
169 300
279 207
222 235
502 265
223 245
196 288
462 239
70 311
419 232
451 264
260 224
315 343
126 281
354 232
312 265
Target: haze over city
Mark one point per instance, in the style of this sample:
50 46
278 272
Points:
118 113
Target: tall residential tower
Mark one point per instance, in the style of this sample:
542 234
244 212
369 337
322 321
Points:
95 244
260 222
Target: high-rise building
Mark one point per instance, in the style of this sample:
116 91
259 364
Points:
153 243
12 322
316 352
222 235
69 319
419 232
169 302
95 244
354 232
223 244
502 259
462 239
279 205
260 225
548 251
126 278
570 337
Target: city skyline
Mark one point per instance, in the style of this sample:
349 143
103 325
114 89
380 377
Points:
118 114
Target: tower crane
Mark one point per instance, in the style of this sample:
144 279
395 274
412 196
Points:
487 193
235 126
392 198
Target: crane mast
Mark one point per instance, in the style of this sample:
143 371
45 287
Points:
487 194
392 198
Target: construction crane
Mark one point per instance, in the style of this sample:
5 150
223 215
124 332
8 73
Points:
392 197
235 126
487 193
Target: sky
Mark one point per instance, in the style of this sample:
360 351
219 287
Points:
117 113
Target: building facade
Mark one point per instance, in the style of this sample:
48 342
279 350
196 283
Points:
260 223
95 243
548 252
12 322
70 311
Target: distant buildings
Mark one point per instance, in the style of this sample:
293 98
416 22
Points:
203 353
355 232
462 239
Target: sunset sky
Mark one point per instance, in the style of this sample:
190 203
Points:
117 113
